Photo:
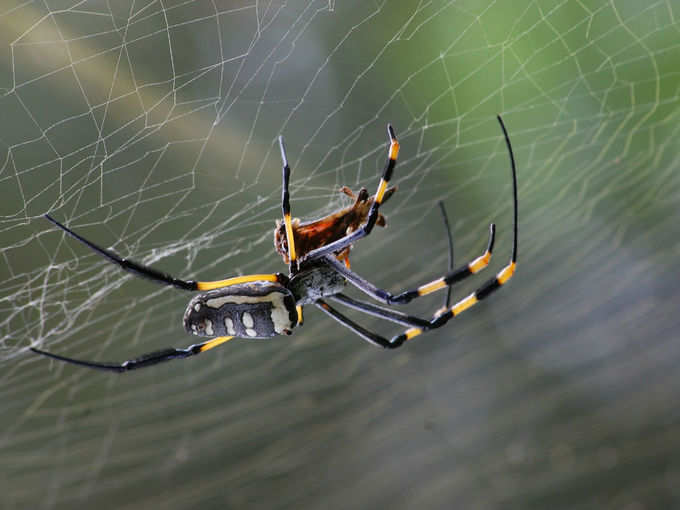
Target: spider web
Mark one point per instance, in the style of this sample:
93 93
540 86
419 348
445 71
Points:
150 127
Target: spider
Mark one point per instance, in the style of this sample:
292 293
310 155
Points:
266 305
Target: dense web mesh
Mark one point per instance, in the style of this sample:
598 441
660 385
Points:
150 127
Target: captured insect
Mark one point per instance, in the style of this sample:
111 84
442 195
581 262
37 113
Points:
266 305
313 234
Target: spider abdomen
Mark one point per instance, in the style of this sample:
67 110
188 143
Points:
249 310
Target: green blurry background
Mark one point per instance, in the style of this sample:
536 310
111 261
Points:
150 127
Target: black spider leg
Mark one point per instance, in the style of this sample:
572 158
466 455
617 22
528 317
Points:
447 280
380 311
293 267
418 324
129 265
285 209
514 190
143 361
367 335
447 300
154 275
367 227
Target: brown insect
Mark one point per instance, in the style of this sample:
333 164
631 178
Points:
311 235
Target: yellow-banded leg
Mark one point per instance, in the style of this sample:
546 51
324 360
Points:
491 285
404 297
452 277
143 361
152 274
285 209
392 155
442 317
419 325
366 228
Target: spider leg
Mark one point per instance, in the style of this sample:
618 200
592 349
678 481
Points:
491 285
404 297
129 265
372 338
285 208
447 300
443 316
419 325
381 312
143 361
152 274
367 227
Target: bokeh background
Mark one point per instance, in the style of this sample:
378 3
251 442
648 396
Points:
151 126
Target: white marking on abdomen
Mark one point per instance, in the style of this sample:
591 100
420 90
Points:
247 320
251 332
229 324
280 316
208 328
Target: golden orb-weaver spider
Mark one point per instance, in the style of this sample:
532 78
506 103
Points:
266 305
